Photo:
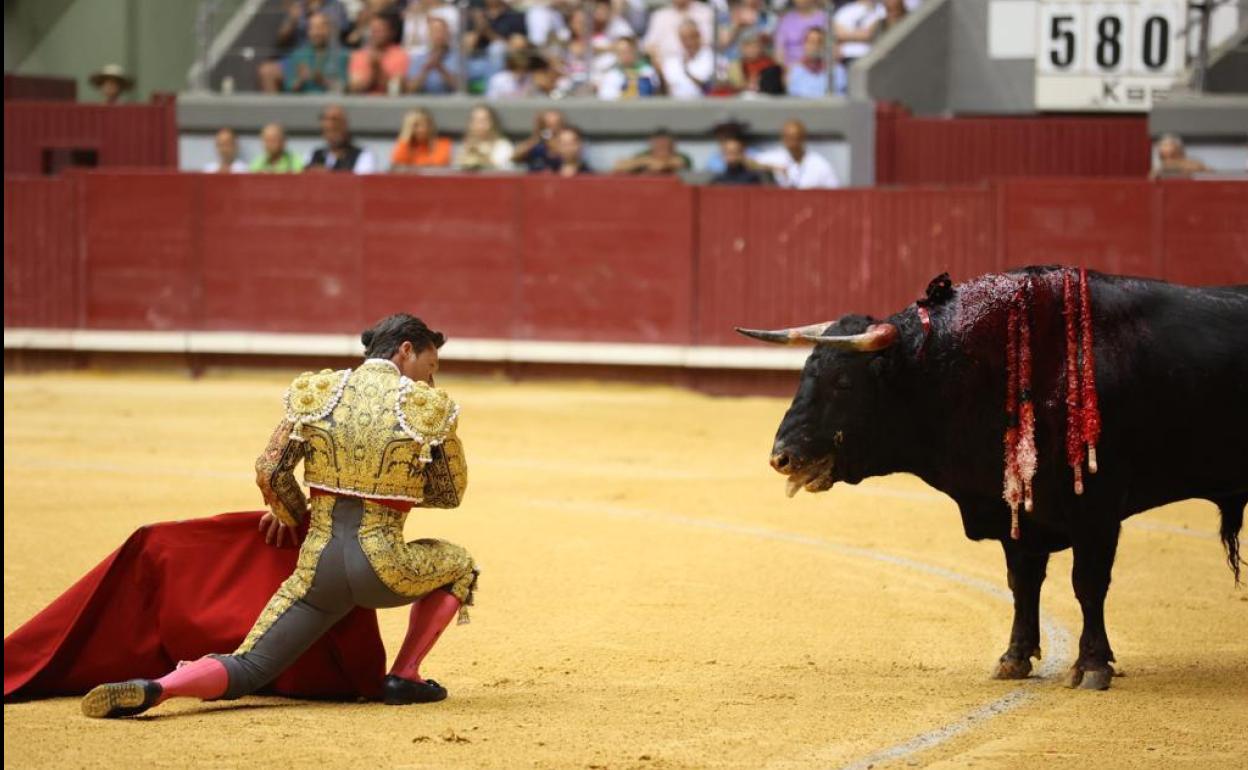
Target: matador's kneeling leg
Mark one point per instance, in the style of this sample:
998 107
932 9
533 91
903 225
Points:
429 618
205 678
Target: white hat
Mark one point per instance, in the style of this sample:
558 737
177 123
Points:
112 72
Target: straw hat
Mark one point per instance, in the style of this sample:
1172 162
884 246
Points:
112 72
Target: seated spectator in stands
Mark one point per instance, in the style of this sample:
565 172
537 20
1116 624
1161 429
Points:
1173 161
755 72
690 73
895 12
544 22
569 153
419 145
660 159
855 25
738 169
630 77
808 77
724 131
358 32
793 165
275 159
740 20
339 153
317 65
293 34
663 35
484 147
227 161
435 70
537 152
416 31
791 31
380 65
545 80
490 31
112 82
512 82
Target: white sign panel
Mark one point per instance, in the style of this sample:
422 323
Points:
1095 56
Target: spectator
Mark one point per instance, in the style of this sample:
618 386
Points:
791 32
589 53
382 62
569 148
544 80
1173 161
688 74
317 65
358 34
660 159
729 129
738 170
339 153
416 24
112 82
663 36
293 34
855 24
513 80
537 153
742 19
544 22
227 161
895 12
808 77
275 159
434 70
630 78
419 145
484 147
755 72
795 166
491 30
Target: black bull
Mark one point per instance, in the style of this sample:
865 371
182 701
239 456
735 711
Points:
879 397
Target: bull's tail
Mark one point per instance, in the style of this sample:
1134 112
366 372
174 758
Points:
1232 522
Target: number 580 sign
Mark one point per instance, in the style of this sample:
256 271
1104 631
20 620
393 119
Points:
1107 56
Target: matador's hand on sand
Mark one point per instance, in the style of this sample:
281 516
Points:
275 532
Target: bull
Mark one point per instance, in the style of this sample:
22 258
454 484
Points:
925 392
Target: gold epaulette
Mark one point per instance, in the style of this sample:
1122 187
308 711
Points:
312 397
426 414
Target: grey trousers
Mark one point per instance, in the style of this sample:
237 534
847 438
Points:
343 580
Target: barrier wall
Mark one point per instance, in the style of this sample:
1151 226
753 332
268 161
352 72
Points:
122 135
963 150
539 258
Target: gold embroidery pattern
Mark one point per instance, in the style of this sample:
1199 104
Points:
313 396
446 477
296 586
275 475
416 568
360 446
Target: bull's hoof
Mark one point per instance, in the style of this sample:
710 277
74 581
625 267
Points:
1090 679
1013 668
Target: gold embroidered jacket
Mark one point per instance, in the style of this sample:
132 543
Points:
367 432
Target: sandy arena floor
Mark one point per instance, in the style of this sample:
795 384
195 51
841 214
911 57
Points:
650 599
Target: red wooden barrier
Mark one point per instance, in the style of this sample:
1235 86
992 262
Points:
594 260
141 135
964 150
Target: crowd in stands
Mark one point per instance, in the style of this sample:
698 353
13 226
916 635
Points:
554 147
614 49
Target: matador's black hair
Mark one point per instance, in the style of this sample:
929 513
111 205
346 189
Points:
384 339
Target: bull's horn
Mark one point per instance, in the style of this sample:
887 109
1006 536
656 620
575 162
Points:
798 335
876 337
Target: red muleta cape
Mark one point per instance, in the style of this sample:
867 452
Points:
177 591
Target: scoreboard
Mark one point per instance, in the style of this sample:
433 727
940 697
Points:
1107 55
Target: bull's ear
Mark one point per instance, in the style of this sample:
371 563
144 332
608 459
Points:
876 337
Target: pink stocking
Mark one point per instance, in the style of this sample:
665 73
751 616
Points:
205 679
430 617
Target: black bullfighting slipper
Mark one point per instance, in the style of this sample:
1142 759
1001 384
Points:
121 699
397 691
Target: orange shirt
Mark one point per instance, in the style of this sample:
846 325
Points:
438 153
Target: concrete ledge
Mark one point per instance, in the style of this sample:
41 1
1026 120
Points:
346 345
1201 116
